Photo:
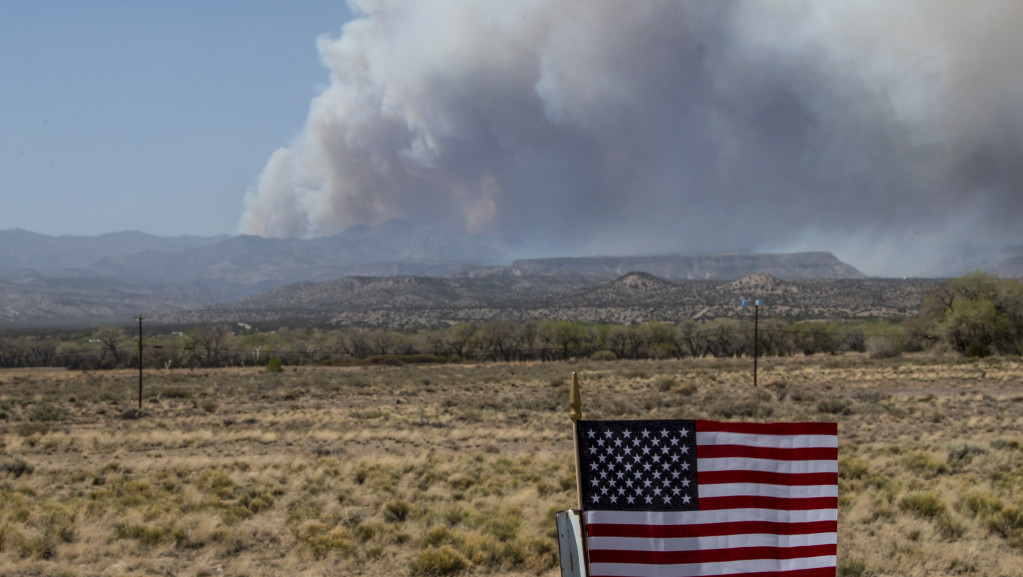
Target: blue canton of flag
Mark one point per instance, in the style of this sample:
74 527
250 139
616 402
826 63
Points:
638 465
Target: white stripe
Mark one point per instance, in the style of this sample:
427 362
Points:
767 440
764 490
767 465
697 517
768 566
713 542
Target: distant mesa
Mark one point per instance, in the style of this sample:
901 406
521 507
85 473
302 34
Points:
109 278
711 266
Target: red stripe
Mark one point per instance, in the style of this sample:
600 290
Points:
767 478
710 529
768 428
709 555
816 572
757 502
746 451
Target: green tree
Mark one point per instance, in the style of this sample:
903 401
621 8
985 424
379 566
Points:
977 313
112 338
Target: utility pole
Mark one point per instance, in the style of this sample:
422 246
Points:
756 338
140 317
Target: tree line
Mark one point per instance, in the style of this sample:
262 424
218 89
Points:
974 315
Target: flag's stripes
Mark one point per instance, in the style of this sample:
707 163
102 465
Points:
712 542
775 453
823 430
670 518
768 466
731 552
626 531
706 438
768 490
803 567
768 501
790 479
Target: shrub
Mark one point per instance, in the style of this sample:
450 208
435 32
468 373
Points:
924 464
835 406
275 365
397 511
926 505
948 527
852 568
45 412
15 467
963 453
441 561
1008 523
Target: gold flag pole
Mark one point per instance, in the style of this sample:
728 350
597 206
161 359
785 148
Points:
575 413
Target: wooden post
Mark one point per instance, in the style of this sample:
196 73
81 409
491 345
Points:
140 317
756 340
575 413
572 524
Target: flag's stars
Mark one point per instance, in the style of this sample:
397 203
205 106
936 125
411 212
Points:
674 441
685 499
685 482
608 433
618 442
665 432
685 450
591 433
619 458
685 466
600 442
645 433
684 432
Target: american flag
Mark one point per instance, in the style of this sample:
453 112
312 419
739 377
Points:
702 498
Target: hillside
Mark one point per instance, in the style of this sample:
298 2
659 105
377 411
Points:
802 265
408 302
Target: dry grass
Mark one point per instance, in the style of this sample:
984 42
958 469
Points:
458 469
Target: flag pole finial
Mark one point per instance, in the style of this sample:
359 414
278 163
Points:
575 400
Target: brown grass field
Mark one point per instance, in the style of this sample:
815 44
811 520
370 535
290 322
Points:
458 469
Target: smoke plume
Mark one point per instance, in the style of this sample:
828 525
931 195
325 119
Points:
882 131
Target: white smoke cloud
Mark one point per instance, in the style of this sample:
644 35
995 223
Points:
877 130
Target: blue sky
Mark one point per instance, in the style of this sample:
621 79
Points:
148 115
885 132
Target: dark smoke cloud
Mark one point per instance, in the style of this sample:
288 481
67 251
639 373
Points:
882 131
